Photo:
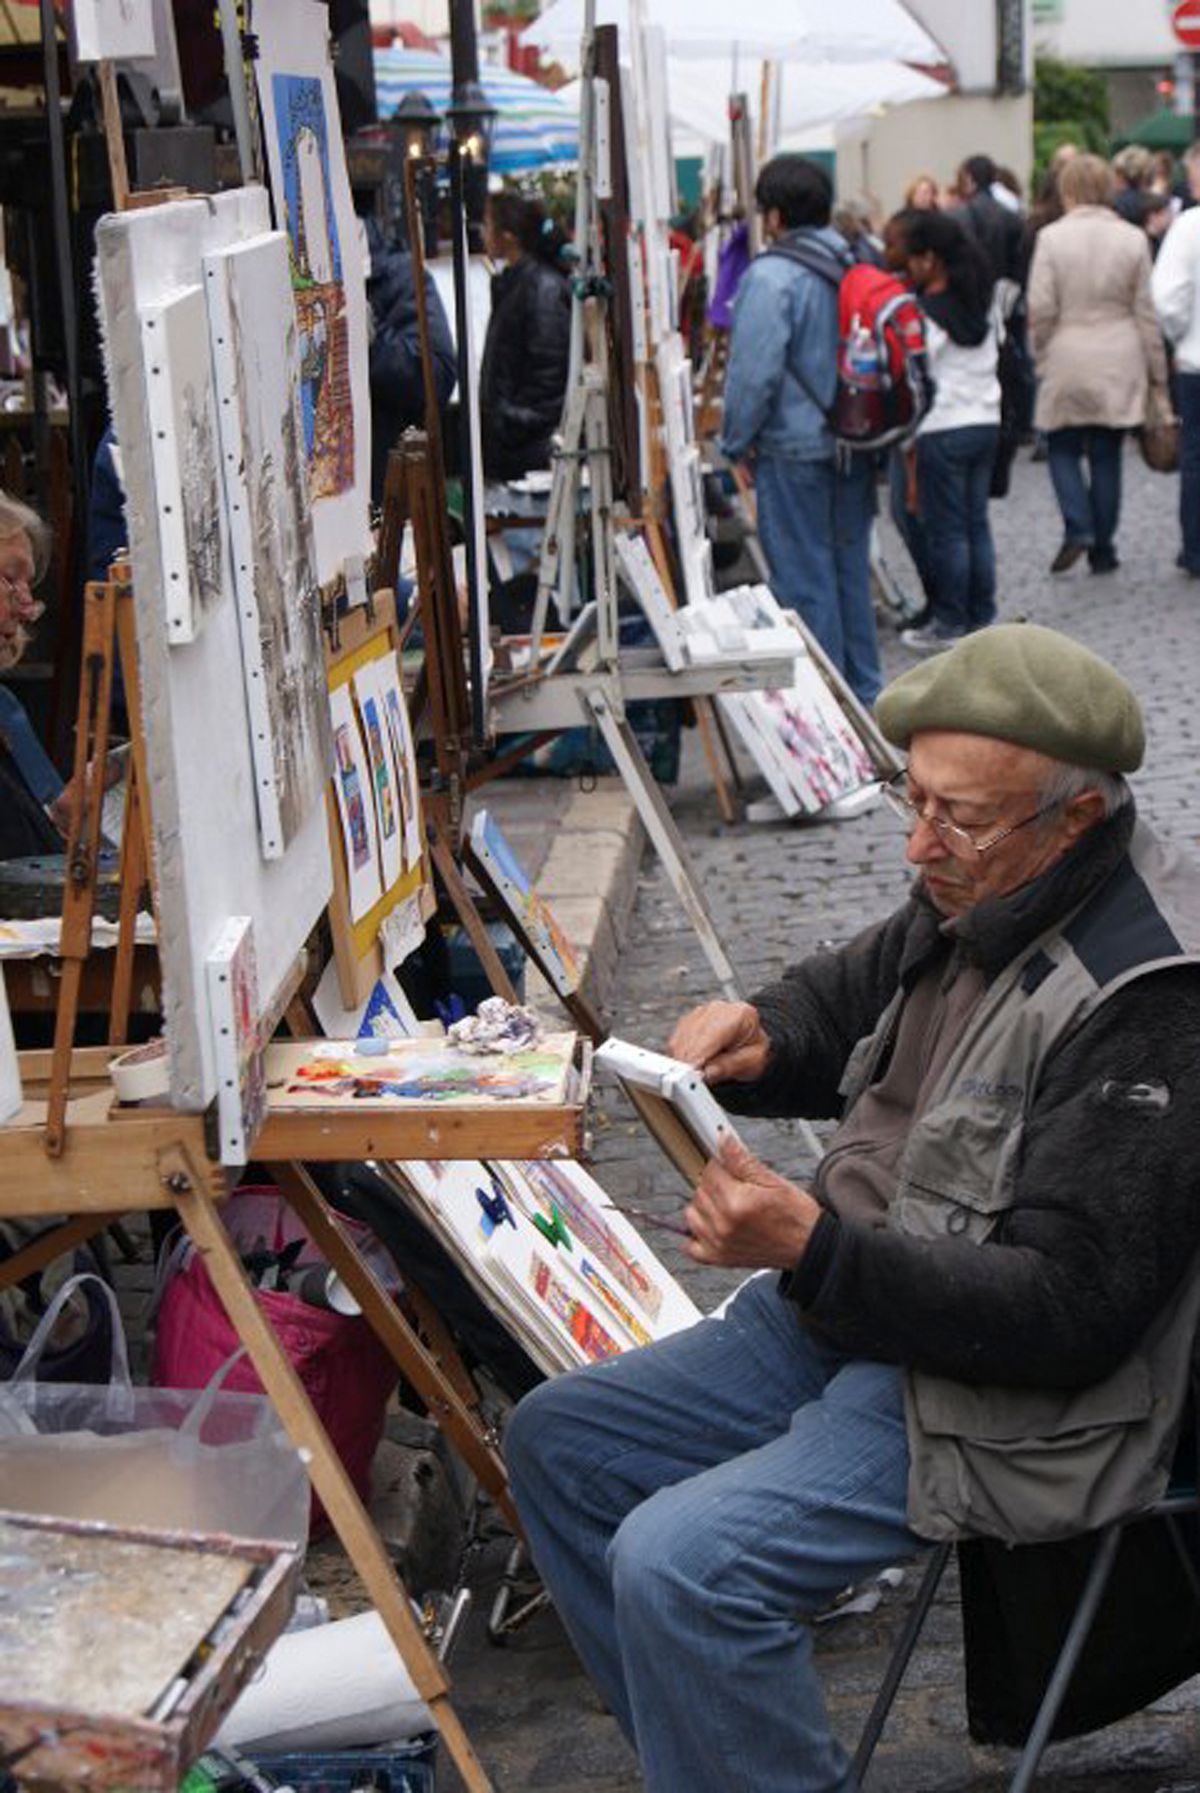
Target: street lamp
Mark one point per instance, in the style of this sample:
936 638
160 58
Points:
417 124
473 120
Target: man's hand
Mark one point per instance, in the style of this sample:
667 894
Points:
724 1040
745 1216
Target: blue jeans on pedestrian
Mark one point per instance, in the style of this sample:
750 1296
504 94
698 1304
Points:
814 523
690 1505
1187 398
954 475
1090 507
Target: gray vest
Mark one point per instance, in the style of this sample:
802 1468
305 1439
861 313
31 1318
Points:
1020 1464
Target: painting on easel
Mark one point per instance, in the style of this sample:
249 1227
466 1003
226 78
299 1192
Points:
356 810
306 162
511 886
266 490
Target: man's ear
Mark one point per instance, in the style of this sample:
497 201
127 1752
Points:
1083 812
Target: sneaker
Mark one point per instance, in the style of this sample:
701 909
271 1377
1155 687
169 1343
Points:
931 639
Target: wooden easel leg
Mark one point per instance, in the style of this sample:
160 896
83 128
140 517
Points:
445 1401
665 836
194 1203
468 914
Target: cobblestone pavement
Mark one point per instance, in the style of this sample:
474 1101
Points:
777 892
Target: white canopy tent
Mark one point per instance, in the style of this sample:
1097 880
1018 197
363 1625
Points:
812 95
811 30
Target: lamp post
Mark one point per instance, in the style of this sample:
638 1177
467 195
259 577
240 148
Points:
417 123
473 121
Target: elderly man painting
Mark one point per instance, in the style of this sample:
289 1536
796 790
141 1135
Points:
986 1305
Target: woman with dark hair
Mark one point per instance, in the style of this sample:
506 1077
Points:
523 378
956 442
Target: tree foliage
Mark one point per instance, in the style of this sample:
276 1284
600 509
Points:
1070 105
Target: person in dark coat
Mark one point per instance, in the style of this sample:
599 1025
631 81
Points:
523 379
397 389
997 229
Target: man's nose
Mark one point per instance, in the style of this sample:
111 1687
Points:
925 844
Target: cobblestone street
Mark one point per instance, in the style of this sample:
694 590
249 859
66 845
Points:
776 892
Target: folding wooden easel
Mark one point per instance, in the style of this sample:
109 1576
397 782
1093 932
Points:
75 1158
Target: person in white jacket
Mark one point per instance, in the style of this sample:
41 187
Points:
1175 284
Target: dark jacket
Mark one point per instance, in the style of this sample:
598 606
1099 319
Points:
397 389
523 379
1105 1218
999 232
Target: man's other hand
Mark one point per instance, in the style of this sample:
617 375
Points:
724 1040
745 1216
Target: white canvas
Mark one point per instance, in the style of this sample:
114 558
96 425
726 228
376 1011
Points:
385 778
113 29
306 162
278 605
187 467
352 787
640 575
201 773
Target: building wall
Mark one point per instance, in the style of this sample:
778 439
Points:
1105 33
878 158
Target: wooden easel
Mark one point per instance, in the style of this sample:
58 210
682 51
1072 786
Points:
72 1153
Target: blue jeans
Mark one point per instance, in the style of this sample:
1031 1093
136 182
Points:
814 523
954 474
1187 397
1090 508
689 1505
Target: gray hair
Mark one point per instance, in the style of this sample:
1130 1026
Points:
17 518
1066 782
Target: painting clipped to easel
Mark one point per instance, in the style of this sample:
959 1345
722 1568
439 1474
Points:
237 1040
385 778
112 29
279 606
307 166
510 885
187 468
355 805
404 750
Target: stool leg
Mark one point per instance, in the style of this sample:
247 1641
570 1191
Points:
906 1643
1068 1659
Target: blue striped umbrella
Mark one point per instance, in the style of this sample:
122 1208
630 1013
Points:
533 129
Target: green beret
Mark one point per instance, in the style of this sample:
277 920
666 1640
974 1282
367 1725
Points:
1022 683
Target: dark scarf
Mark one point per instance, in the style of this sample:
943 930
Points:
964 324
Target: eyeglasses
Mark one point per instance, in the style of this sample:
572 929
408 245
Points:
957 838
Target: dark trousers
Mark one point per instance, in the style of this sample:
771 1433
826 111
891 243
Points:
1091 504
909 526
954 476
1187 398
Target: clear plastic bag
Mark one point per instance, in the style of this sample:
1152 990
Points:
178 1459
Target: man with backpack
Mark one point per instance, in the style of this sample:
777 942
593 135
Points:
815 504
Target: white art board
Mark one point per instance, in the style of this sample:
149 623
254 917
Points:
187 465
254 349
115 29
306 162
208 862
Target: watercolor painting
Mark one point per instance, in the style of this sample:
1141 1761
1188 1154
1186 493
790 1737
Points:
187 467
421 1071
569 1189
279 604
385 777
355 809
533 919
405 754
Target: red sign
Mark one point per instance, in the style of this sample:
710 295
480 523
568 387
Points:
1185 23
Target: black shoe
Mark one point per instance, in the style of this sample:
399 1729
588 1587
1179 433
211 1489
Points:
1067 555
1103 560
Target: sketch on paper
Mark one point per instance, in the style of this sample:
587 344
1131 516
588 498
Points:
385 782
187 469
317 282
356 811
421 1071
115 29
254 348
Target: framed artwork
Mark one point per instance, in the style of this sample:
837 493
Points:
352 784
237 1040
306 162
183 423
202 714
266 491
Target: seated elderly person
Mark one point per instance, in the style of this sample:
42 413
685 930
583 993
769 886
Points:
30 787
988 1293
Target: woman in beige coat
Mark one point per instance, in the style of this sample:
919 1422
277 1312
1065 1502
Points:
1099 352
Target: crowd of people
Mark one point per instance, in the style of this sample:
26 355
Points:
1065 326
